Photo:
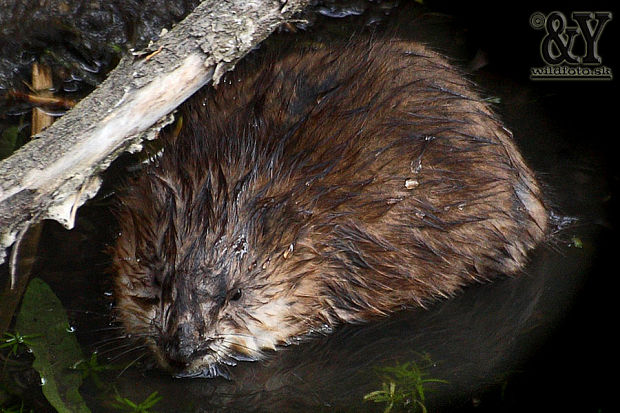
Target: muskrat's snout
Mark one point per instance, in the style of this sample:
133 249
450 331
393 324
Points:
179 349
186 355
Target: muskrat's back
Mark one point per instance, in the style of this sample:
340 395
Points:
317 188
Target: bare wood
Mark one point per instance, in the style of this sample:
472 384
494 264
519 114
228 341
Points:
53 175
41 83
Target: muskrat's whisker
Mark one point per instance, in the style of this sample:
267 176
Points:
141 356
102 329
112 345
121 337
109 328
118 343
113 349
109 340
238 344
141 347
224 341
223 337
223 353
100 347
218 348
97 313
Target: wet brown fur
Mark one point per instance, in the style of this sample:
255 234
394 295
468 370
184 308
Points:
326 186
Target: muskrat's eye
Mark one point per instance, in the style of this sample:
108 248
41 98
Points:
236 295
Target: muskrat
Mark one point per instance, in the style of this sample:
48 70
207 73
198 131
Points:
314 188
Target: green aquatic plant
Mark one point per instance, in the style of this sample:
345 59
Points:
126 405
90 368
403 387
13 341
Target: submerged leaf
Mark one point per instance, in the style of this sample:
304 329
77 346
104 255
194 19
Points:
55 349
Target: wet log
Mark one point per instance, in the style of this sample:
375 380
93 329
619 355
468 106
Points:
50 177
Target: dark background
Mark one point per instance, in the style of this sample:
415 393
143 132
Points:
575 369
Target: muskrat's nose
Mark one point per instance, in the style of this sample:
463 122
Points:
179 348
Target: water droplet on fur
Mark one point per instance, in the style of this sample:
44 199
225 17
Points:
561 222
417 168
289 251
411 183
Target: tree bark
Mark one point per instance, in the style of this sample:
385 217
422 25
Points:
56 173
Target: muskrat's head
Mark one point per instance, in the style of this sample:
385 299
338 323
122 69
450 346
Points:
204 275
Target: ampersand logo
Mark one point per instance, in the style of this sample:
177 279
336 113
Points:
557 47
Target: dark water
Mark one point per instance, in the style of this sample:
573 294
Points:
79 38
537 342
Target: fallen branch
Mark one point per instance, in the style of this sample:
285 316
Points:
56 173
